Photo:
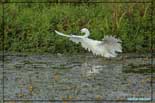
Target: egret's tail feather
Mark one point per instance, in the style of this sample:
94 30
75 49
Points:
112 45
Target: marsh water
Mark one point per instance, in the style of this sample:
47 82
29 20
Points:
76 77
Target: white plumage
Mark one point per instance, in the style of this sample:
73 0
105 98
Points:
108 47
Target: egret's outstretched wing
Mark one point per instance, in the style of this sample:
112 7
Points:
76 39
73 38
62 34
111 45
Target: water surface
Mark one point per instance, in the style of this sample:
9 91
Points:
76 77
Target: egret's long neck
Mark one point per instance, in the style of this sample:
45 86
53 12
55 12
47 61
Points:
87 33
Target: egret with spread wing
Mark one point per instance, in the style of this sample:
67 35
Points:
108 47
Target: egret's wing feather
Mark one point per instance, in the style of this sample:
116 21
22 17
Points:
62 34
111 45
73 38
76 39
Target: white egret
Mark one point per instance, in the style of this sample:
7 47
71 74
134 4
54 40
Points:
108 47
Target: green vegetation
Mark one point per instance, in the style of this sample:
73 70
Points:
1 31
77 0
30 27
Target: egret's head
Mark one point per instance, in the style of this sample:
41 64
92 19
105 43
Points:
86 31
